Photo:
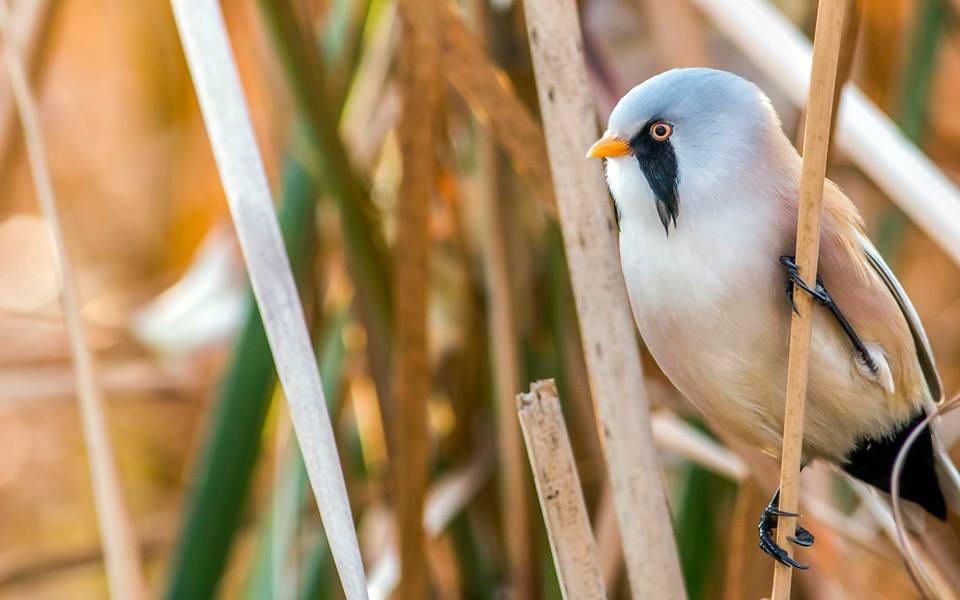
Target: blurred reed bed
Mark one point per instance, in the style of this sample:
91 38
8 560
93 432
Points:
417 207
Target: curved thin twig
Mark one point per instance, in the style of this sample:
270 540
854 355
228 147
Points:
921 579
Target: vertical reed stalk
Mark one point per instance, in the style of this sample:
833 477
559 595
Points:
816 144
420 85
608 331
121 552
502 334
561 498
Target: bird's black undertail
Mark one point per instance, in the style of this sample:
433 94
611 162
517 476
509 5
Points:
872 462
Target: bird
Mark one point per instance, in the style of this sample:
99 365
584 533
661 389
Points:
705 185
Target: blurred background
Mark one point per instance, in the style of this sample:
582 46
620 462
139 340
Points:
210 468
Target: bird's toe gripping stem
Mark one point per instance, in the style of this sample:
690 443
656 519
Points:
768 522
823 297
819 292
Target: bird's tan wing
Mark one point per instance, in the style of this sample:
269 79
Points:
920 341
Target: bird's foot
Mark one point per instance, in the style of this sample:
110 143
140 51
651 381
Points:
823 297
818 292
768 523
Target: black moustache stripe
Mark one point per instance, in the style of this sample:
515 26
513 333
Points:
659 165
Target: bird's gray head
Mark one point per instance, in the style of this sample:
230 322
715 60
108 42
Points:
684 132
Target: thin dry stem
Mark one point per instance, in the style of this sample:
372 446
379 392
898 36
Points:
515 519
558 487
848 46
816 145
30 23
122 555
929 585
608 331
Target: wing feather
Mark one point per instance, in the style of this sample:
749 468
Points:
924 353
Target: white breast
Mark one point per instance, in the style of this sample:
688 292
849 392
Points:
709 301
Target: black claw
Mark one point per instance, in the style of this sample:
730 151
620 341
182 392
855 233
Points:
773 510
793 304
803 538
768 522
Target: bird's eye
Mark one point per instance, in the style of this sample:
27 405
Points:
661 130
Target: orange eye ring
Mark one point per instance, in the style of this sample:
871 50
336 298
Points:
661 130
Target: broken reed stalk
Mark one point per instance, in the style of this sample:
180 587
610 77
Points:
816 144
420 84
607 327
558 487
224 109
120 548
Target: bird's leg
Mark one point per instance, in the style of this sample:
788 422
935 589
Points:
768 522
823 297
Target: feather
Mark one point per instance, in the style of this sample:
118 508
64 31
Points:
924 352
946 471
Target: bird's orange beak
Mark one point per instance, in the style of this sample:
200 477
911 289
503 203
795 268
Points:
608 146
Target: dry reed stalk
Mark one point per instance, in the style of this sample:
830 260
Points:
816 144
609 342
558 487
495 105
864 133
848 46
501 331
420 84
224 109
121 553
609 547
